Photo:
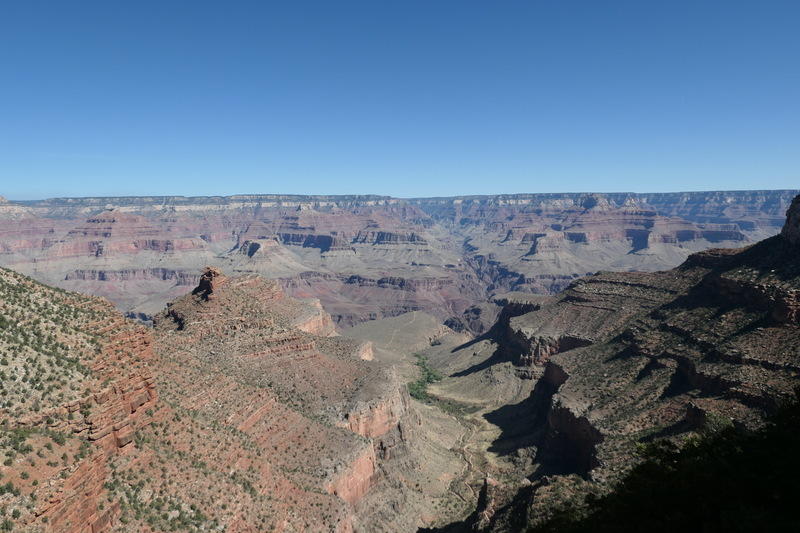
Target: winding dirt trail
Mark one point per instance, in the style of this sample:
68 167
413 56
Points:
390 344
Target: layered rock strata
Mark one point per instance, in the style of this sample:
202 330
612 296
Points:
367 257
238 339
240 411
77 382
621 359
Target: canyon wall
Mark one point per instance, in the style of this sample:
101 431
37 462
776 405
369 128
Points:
622 359
367 257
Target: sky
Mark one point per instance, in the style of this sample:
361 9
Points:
402 98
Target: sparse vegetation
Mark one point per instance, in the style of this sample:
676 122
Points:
46 337
419 389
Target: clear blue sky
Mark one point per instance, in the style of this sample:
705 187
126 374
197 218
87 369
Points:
406 98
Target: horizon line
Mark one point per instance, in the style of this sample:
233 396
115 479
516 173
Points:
292 196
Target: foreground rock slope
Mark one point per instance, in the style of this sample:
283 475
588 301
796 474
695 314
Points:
77 384
241 410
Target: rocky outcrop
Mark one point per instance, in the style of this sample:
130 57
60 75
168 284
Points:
316 321
791 229
208 279
540 349
366 351
353 483
375 418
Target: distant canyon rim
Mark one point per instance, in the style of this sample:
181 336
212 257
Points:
368 257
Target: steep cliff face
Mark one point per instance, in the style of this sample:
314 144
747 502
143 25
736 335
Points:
316 321
376 418
354 482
